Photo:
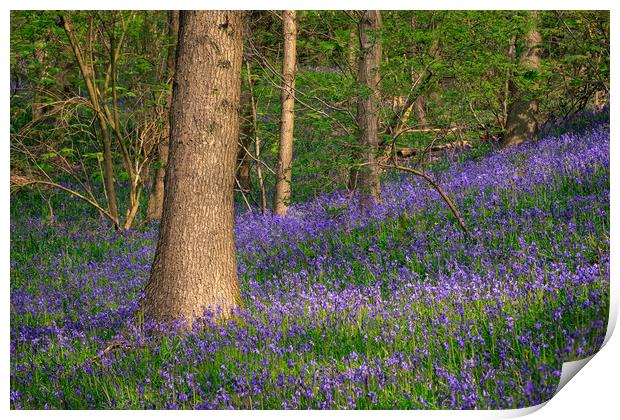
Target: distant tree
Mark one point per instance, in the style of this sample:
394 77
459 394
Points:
38 106
243 180
156 198
522 118
285 161
195 265
366 178
577 50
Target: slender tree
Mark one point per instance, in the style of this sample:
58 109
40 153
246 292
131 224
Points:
90 79
195 265
156 199
522 123
284 174
512 56
38 105
246 138
366 178
257 140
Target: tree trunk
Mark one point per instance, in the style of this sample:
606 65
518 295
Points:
90 80
257 142
352 47
195 265
37 100
366 178
418 107
108 171
246 138
522 124
599 95
156 198
285 161
507 86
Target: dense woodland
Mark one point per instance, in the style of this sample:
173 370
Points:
291 209
90 94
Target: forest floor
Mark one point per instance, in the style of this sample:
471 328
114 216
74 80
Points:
389 307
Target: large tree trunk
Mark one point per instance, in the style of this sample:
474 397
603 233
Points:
522 124
195 265
285 161
366 178
156 198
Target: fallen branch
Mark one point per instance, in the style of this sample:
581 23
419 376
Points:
431 130
406 152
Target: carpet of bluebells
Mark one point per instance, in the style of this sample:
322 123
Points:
389 307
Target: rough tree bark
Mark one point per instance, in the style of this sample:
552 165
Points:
285 161
522 123
195 265
366 177
156 198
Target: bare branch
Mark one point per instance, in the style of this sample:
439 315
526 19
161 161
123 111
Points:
21 182
437 188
